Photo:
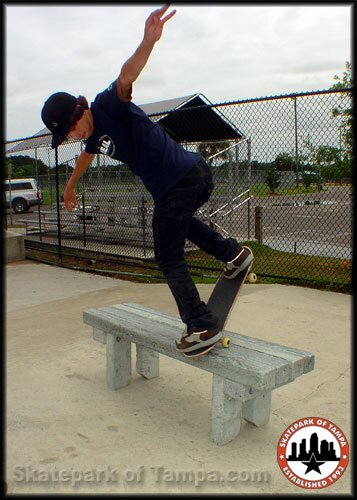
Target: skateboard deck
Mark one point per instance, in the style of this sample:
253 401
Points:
221 303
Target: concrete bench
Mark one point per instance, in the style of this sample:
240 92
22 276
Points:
244 375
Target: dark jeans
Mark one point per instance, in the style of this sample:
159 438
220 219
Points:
173 223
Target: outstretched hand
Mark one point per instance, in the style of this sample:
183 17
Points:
69 198
154 24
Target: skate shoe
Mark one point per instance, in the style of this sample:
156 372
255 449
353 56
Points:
240 263
198 338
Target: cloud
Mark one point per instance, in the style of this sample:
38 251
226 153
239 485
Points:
225 51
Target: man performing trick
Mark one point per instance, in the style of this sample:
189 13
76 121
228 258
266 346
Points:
178 180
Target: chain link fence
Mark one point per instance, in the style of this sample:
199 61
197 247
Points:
282 168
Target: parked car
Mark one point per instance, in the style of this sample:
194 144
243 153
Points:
25 193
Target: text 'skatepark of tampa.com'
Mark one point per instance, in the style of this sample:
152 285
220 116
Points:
156 474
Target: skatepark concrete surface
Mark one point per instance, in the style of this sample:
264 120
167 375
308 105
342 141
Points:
66 432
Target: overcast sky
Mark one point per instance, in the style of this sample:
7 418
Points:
227 52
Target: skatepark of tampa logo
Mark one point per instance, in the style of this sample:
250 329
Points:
313 453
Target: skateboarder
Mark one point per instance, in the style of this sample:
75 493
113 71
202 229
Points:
179 181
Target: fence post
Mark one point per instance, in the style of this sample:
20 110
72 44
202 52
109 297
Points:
249 182
39 220
84 221
59 235
296 142
258 212
10 195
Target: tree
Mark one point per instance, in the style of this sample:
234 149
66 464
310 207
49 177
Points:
307 179
343 112
344 82
24 166
284 162
330 163
272 178
326 161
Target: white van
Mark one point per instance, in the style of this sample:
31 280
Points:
25 193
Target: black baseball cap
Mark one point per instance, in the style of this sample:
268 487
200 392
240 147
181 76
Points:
57 115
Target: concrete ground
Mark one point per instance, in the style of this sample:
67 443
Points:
66 432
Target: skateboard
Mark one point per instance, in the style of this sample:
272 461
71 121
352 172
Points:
221 303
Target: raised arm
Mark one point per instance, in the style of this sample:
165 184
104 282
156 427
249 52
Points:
133 66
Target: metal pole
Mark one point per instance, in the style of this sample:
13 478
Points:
84 222
259 224
249 183
296 142
10 201
49 176
39 220
36 167
39 201
58 210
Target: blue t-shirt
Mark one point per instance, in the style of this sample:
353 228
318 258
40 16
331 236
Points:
124 132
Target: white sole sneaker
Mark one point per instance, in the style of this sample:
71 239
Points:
239 263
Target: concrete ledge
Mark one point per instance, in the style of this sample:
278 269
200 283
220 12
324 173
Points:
243 375
14 246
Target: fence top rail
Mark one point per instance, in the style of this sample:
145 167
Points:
228 103
259 99
287 96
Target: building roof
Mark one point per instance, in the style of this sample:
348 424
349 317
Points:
198 120
33 142
190 118
153 108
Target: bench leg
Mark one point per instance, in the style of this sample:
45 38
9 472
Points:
118 362
257 410
99 336
147 362
226 413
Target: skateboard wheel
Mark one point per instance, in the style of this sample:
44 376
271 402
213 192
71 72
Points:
252 278
225 341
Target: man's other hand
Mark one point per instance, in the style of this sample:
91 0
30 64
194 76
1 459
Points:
70 199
